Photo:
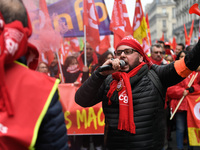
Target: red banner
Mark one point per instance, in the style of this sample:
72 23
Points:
79 120
193 118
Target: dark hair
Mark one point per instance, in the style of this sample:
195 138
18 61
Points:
179 54
155 45
161 42
68 61
102 58
13 10
189 47
183 46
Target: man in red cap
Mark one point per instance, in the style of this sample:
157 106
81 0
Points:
131 95
31 115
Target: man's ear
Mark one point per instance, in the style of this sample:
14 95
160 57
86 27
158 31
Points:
140 58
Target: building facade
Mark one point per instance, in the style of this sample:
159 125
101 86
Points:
183 17
162 19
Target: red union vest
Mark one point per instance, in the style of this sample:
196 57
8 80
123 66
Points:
31 93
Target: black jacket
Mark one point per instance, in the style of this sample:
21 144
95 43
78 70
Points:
147 103
53 133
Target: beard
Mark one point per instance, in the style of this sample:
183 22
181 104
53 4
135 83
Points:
135 64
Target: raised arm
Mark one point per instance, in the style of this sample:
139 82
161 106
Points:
175 72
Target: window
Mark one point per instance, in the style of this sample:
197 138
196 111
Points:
173 13
173 26
164 11
164 23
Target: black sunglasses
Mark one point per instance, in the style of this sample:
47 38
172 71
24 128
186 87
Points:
126 51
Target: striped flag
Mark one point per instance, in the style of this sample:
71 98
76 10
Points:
140 27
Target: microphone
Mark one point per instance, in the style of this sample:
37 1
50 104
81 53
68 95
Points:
109 67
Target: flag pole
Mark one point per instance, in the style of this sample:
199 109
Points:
84 26
59 64
85 54
180 101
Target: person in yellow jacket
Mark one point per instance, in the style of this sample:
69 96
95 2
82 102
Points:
31 114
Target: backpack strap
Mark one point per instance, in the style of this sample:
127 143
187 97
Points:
156 81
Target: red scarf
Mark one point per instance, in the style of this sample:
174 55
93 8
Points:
73 69
155 61
121 83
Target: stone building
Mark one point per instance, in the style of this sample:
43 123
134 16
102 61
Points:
183 17
162 19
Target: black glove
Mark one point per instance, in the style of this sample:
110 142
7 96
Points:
190 89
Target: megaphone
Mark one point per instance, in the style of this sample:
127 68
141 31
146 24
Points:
194 9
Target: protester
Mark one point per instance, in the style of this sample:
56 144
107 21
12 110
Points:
133 103
168 50
54 67
72 72
102 58
175 93
162 43
91 58
169 58
157 55
179 47
43 67
98 140
92 61
31 113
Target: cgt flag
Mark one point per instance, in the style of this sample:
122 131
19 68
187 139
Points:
140 27
148 28
104 44
91 21
193 118
117 22
120 24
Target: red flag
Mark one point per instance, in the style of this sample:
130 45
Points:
199 29
104 44
188 38
193 118
163 37
127 24
91 21
46 57
140 27
148 28
117 22
191 31
74 43
174 43
45 21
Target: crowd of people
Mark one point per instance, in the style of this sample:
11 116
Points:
137 98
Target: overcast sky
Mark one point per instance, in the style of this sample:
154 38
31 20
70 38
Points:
130 4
